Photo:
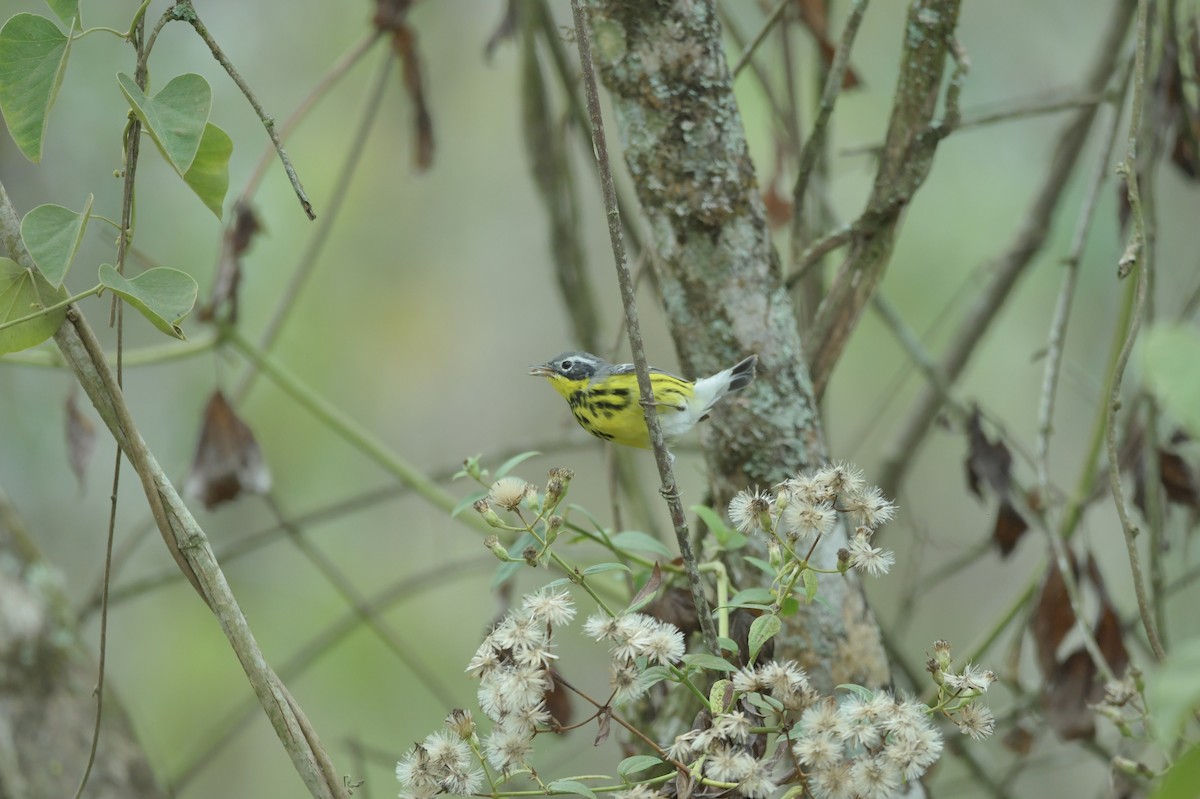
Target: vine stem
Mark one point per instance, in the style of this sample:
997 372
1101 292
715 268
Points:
184 10
1134 258
662 457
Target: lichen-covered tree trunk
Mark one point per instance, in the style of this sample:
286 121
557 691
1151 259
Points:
47 706
684 144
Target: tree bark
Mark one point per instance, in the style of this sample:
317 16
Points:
722 285
47 707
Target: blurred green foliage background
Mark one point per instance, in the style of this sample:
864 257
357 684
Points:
433 294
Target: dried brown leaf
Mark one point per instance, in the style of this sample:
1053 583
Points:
675 606
558 701
603 725
649 588
404 41
989 463
1052 619
1066 697
228 460
81 438
1009 528
237 240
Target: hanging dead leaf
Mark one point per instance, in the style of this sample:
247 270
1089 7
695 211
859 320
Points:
558 701
228 460
812 14
404 41
81 438
676 607
1009 528
1051 620
989 463
1066 697
603 725
643 595
1019 739
391 14
237 240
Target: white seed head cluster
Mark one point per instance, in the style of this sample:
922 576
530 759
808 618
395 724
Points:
510 492
513 667
864 746
806 507
441 764
634 639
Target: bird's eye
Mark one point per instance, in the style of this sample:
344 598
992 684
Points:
567 364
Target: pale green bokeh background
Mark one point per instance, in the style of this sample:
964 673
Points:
434 293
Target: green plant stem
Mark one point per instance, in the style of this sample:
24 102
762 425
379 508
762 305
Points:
145 356
185 11
663 459
348 430
51 308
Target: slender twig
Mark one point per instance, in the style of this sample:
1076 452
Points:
1134 258
748 53
1031 108
308 260
224 732
359 604
1012 262
1062 310
814 145
184 10
813 254
334 74
663 458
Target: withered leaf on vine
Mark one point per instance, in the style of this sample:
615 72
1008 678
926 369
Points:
228 460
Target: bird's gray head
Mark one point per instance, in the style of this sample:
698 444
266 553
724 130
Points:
571 365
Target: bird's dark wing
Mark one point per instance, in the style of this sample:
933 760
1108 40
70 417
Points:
628 369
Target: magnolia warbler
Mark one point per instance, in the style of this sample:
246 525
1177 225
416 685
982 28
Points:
605 400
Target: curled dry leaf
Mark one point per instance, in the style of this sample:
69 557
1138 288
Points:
81 438
238 237
228 460
989 464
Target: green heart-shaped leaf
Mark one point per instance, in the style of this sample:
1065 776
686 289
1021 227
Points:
52 234
66 10
33 57
175 118
164 296
23 292
209 174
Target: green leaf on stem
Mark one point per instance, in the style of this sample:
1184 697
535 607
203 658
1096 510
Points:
66 10
600 568
756 597
810 585
33 57
52 235
22 293
703 660
1181 779
866 694
763 629
726 536
643 542
175 118
514 461
636 764
1173 692
208 175
571 787
163 295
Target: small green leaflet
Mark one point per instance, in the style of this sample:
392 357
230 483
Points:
756 598
600 568
52 235
208 176
512 462
763 629
810 585
573 787
703 660
728 538
163 295
22 293
635 539
636 763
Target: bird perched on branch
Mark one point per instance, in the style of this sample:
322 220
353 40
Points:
604 397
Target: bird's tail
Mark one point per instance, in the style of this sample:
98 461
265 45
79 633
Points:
710 389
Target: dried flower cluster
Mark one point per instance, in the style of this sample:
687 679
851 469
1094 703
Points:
636 640
804 508
513 667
